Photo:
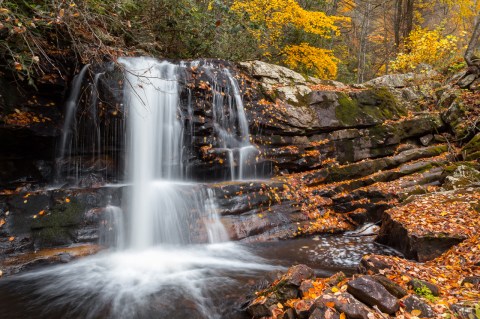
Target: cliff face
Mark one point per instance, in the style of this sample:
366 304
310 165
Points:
327 156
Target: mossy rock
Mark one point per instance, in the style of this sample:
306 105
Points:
471 151
368 107
57 225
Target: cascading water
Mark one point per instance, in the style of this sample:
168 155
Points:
162 266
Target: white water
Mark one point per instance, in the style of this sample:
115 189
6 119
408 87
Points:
158 261
69 124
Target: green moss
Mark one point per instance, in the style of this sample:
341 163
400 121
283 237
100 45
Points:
425 292
368 107
471 151
348 111
62 215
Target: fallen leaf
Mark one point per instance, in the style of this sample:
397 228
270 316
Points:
416 312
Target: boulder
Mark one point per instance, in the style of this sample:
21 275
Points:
471 150
424 287
466 310
367 290
472 280
321 311
303 308
401 80
392 287
412 303
297 274
372 265
346 303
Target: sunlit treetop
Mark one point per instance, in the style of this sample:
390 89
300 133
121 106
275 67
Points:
270 20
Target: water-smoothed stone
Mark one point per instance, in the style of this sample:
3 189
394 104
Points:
465 310
347 304
412 303
321 311
372 265
305 286
372 293
303 308
472 280
297 274
392 287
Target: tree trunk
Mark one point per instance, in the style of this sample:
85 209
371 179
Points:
470 59
397 23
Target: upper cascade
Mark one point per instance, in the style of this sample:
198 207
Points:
200 133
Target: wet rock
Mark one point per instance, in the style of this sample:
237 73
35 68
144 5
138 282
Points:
289 314
259 308
346 303
305 286
321 311
472 280
372 293
465 310
303 308
425 140
421 285
392 287
336 279
412 302
372 265
297 274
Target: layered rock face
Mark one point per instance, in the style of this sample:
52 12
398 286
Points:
328 157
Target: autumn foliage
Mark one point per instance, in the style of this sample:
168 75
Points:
271 20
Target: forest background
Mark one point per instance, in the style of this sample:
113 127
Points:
349 40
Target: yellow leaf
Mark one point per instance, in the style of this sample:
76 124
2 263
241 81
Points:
67 200
11 238
416 312
279 305
342 316
61 13
335 289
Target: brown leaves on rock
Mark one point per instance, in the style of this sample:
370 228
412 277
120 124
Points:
20 118
440 214
446 271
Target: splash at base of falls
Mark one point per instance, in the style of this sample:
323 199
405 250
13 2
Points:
161 282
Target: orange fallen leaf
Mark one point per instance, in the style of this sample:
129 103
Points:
330 304
11 238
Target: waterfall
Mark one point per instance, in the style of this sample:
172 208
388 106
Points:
172 256
69 127
164 206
